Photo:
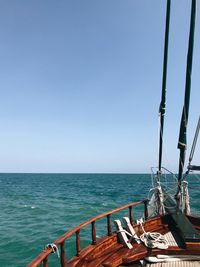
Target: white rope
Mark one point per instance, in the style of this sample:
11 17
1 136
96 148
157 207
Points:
158 202
130 235
158 199
172 258
160 196
54 248
153 239
185 198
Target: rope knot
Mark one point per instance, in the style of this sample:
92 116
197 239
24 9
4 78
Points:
54 248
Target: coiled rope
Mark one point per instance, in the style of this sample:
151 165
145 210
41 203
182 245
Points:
153 239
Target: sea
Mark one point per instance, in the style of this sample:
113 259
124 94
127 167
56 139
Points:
38 208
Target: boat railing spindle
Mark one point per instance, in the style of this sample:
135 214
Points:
63 258
78 243
94 240
131 214
109 226
45 262
146 209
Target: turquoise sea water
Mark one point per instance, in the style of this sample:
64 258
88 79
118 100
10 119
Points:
38 208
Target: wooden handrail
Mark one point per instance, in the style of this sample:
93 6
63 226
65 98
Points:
43 256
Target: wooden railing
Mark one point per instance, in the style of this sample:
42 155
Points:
43 256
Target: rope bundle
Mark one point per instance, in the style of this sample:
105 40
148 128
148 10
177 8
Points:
153 239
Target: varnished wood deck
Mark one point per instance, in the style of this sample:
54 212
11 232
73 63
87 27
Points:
110 253
175 264
168 264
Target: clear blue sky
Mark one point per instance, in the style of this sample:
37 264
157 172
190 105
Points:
80 84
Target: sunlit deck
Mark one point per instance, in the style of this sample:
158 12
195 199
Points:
110 253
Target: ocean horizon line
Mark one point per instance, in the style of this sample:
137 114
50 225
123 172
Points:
75 173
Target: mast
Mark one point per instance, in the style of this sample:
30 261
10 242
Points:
182 142
163 96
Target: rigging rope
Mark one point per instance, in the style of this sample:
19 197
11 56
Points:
153 239
194 142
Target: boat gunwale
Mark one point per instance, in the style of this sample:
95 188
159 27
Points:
43 256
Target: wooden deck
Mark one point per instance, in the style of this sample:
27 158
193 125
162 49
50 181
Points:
110 253
168 264
175 264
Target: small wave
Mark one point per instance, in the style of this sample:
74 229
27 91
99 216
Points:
28 206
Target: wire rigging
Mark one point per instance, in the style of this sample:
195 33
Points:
194 142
